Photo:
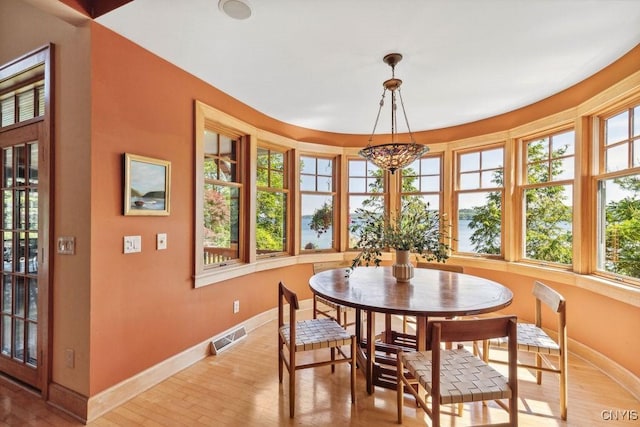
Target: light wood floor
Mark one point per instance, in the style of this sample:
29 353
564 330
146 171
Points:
239 387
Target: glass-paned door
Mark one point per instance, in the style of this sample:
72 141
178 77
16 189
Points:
21 243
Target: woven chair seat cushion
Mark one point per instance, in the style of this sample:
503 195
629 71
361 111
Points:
531 338
316 333
333 304
463 376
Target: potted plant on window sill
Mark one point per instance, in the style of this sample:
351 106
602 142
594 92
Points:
418 231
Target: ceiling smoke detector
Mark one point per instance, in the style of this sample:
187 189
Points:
236 9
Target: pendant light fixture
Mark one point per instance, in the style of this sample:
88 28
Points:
393 155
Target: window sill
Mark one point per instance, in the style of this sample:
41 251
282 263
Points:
613 289
619 291
216 275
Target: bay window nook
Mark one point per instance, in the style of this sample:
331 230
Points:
547 191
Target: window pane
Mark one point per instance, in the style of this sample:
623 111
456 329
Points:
325 167
357 167
548 225
562 169
7 111
41 101
410 182
26 107
317 221
617 158
619 250
307 183
210 168
32 344
469 162
538 149
430 183
307 165
277 179
491 179
636 121
221 219
325 183
210 142
617 128
469 181
479 222
271 222
430 165
492 159
636 153
33 164
372 204
227 148
357 185
562 144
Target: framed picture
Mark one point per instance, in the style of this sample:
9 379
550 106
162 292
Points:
147 185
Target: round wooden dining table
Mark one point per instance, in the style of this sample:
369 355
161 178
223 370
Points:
430 293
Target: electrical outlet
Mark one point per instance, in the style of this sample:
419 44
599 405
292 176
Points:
69 358
236 306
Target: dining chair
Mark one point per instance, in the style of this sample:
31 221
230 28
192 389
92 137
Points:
310 335
326 308
406 320
457 376
533 338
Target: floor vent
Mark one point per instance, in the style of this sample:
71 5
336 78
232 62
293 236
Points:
228 340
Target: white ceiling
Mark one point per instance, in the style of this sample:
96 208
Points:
318 63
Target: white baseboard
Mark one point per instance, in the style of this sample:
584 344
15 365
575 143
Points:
116 395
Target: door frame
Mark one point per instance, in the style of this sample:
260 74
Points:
39 64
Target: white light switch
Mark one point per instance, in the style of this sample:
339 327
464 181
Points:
132 244
161 242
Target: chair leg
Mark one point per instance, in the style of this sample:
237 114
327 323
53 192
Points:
280 361
292 385
538 371
513 411
399 388
333 358
435 411
353 369
563 386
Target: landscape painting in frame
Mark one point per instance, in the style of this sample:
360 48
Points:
147 185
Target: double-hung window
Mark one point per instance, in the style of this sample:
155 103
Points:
367 194
421 186
222 197
618 182
480 196
317 201
547 196
272 202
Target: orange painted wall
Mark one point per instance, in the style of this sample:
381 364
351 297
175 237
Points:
144 308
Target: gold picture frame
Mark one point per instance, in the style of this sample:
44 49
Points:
147 186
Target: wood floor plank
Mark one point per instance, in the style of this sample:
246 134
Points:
239 387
